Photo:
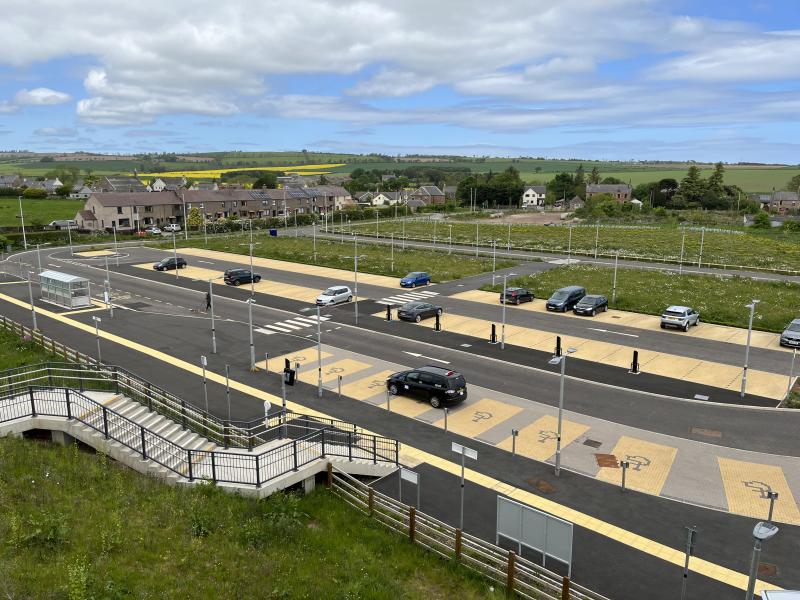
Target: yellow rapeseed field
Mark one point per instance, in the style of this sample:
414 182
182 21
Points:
215 173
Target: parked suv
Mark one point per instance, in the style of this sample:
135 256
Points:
240 276
436 385
791 335
414 279
591 305
335 295
172 228
168 264
566 298
517 295
682 317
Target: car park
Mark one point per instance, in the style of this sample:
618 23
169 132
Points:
591 304
566 298
172 228
153 230
517 295
436 385
240 276
681 317
335 295
791 335
416 311
414 279
171 263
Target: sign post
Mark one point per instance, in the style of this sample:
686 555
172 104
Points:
465 453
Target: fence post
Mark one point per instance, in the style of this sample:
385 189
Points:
412 523
510 573
225 434
349 446
149 397
323 442
458 544
371 500
565 595
258 473
69 405
374 450
105 422
33 401
397 452
183 414
294 451
116 380
329 477
144 449
189 455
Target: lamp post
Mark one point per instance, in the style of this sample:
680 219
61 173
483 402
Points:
185 220
761 533
752 307
702 239
614 286
250 302
494 259
39 257
30 293
97 336
203 363
319 353
205 228
503 325
116 251
562 360
680 261
450 239
69 238
791 373
22 222
314 233
252 278
213 328
174 254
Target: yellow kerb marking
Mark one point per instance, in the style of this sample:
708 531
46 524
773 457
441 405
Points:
538 440
638 542
473 419
746 486
649 465
367 387
331 372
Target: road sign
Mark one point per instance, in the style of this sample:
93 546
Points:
468 452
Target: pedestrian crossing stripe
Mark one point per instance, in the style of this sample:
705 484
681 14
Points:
747 485
649 465
290 325
408 297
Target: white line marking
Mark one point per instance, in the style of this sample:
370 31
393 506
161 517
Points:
297 322
205 262
614 332
265 331
428 357
276 328
289 325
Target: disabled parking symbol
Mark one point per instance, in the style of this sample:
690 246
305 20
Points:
762 488
636 462
480 415
545 435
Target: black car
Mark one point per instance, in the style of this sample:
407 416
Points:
566 298
591 305
168 264
517 295
240 276
436 385
416 311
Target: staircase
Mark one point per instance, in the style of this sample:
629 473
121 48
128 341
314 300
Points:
155 444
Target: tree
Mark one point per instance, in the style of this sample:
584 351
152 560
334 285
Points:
561 186
194 220
267 180
34 193
716 184
692 188
579 182
762 221
612 181
794 184
594 177
64 190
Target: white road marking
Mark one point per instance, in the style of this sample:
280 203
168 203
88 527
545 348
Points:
281 329
614 332
205 262
428 357
264 331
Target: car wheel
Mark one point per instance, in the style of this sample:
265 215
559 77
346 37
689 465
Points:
439 312
663 326
516 302
435 402
696 323
393 390
413 285
686 326
417 319
257 279
237 282
349 298
594 312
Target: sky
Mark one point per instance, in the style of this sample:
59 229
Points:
702 80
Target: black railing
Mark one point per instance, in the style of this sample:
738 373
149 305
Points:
224 466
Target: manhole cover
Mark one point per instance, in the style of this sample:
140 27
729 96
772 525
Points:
706 432
615 317
592 443
541 485
606 460
136 305
767 569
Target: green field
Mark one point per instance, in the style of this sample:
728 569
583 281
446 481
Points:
719 300
752 249
37 212
372 259
76 526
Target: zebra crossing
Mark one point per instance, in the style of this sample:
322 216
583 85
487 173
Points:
292 325
408 297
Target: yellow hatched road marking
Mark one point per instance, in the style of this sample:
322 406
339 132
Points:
473 419
367 387
746 486
331 372
538 440
649 465
581 519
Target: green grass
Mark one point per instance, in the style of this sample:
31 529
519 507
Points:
372 258
768 250
75 525
37 212
719 300
16 353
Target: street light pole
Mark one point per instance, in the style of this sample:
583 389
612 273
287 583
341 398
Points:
69 237
30 293
174 254
355 275
614 286
319 353
250 302
761 533
494 259
22 222
680 261
752 307
213 328
116 251
203 362
185 220
97 336
702 239
252 278
205 227
791 373
563 361
503 325
39 257
450 239
314 230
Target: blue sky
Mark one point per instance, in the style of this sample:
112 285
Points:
596 79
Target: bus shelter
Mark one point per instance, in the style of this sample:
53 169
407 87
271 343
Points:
64 289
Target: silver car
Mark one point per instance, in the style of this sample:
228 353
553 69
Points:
335 295
681 317
791 335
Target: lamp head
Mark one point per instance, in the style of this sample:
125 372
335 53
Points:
764 531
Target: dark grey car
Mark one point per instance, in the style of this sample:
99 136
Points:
591 305
791 335
416 311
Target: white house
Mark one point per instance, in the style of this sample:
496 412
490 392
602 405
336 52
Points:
533 196
387 198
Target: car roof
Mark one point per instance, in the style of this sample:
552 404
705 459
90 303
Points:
515 289
438 371
570 288
678 308
591 297
413 303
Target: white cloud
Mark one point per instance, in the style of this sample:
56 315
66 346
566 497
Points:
41 96
59 132
388 83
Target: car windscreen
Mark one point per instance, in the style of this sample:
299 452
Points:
330 292
559 296
412 275
412 306
674 313
793 327
456 381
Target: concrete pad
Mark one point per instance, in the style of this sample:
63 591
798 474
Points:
331 372
93 253
649 465
307 359
408 407
367 387
746 486
473 419
538 440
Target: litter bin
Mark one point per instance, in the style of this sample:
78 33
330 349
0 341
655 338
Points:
273 232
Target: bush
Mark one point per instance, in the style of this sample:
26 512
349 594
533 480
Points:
762 221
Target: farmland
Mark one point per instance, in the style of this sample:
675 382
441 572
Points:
719 300
37 212
215 173
753 250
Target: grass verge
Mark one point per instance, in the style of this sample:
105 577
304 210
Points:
15 352
77 525
375 259
37 211
719 299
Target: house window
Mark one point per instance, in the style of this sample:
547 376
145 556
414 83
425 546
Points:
119 210
148 209
243 203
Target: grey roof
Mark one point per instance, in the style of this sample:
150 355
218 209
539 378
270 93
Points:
539 189
784 196
59 276
415 202
87 215
608 188
430 190
392 195
332 190
135 198
124 184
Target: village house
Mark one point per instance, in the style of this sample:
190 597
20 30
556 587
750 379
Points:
533 196
620 192
428 194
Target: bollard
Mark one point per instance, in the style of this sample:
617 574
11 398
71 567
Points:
266 362
340 387
624 464
388 401
493 337
437 326
287 364
558 346
635 364
388 312
514 434
445 418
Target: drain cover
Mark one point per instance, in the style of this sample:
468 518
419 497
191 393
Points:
767 569
592 443
706 432
541 485
606 460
